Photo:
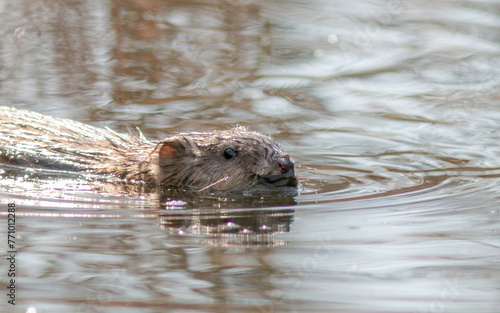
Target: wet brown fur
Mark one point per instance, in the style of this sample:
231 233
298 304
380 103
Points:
194 159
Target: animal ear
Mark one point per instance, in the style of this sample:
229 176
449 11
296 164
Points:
171 148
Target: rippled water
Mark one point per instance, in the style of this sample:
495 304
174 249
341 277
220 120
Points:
389 108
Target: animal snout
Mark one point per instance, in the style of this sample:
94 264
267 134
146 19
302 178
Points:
286 164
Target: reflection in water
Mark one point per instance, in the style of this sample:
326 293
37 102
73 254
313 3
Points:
49 46
162 51
232 228
165 51
219 217
123 262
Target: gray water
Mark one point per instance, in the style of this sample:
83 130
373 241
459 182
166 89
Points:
391 110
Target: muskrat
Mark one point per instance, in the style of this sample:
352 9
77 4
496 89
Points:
233 159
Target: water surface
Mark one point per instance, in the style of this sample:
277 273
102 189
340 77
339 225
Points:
389 108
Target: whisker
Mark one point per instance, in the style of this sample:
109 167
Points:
217 182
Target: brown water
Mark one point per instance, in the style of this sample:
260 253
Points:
391 109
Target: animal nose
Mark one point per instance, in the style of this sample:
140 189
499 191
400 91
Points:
286 164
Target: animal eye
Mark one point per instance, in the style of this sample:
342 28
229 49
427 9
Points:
230 153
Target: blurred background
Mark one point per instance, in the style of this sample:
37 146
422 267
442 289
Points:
391 110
